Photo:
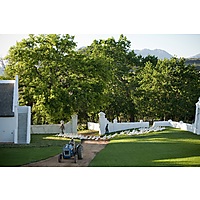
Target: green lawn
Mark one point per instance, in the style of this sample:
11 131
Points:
41 147
171 147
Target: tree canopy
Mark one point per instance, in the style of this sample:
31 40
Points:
167 90
57 80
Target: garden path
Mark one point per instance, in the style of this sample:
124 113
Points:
90 149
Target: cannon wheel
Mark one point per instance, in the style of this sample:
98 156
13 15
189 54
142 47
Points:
80 152
60 158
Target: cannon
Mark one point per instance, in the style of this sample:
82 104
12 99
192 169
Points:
71 150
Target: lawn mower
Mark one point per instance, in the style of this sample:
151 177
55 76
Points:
71 150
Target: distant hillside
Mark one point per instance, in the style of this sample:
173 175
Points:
193 61
161 54
196 56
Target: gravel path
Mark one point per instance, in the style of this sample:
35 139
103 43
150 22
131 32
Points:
90 149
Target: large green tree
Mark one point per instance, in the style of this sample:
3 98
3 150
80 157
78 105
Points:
54 78
119 60
57 80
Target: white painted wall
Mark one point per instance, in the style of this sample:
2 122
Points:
183 126
45 129
114 127
70 127
93 126
194 128
170 123
161 123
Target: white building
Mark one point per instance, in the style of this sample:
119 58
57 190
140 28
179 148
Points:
15 120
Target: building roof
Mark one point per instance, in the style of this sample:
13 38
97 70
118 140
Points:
6 99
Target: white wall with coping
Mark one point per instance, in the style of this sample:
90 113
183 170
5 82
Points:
115 126
181 125
194 128
70 127
45 129
161 123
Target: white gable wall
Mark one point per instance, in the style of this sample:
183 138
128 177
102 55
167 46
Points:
9 125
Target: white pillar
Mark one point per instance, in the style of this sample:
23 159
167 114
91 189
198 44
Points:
197 118
74 123
28 139
15 136
15 109
102 123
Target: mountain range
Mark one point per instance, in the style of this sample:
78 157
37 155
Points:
161 54
196 56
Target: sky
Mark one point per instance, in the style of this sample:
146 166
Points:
171 25
180 45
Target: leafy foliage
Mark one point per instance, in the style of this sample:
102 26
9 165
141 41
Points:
119 60
57 80
167 88
54 79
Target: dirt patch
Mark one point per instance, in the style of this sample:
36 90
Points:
90 149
